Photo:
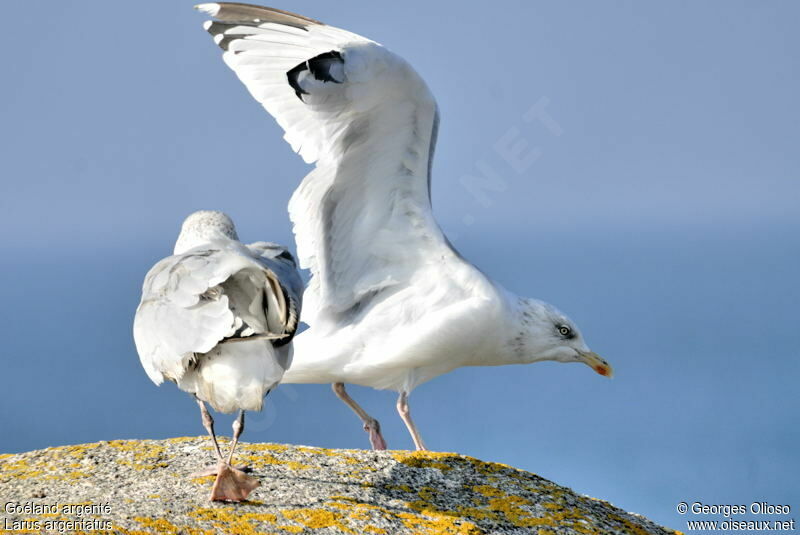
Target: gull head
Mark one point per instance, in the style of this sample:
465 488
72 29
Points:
202 227
548 334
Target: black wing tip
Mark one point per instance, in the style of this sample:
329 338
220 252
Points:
292 75
320 68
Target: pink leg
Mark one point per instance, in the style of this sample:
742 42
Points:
405 414
233 485
208 423
371 425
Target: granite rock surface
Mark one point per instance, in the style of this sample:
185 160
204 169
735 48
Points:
145 486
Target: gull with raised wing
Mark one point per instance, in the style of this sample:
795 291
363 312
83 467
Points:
217 318
390 303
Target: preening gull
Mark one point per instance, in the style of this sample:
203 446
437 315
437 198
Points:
390 303
217 318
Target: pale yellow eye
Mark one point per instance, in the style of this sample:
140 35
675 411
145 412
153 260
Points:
564 330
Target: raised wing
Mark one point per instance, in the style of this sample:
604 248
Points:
362 218
193 301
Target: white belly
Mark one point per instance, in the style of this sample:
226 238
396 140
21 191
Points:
410 337
235 375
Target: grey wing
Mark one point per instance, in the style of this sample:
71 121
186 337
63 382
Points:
183 311
285 289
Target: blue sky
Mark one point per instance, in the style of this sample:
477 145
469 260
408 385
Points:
656 205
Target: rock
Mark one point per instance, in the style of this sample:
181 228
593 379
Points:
143 486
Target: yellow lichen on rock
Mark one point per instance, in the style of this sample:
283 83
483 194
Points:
259 460
488 491
19 469
231 521
182 440
51 464
162 525
317 518
143 456
424 459
429 523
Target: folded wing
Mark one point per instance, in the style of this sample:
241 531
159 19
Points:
194 301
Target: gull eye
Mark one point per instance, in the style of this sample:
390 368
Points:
565 331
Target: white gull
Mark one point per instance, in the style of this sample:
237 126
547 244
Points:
217 318
390 303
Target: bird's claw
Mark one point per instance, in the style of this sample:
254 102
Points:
232 485
373 428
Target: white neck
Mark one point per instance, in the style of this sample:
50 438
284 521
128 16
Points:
190 240
520 343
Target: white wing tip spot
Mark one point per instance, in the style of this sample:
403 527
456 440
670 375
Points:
207 24
211 9
218 38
